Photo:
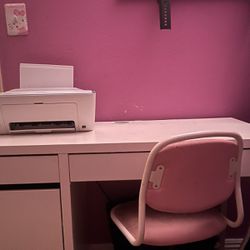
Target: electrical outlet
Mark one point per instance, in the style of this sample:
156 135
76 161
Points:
16 19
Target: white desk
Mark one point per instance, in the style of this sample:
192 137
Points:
113 151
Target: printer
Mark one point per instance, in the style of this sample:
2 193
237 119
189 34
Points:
39 110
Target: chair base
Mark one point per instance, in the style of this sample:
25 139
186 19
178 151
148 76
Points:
121 243
168 229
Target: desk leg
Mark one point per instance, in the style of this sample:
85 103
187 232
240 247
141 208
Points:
66 202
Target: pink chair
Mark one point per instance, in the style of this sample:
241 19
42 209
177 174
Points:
185 181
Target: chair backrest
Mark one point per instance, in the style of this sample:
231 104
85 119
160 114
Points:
191 173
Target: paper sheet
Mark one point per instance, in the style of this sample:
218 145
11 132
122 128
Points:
45 76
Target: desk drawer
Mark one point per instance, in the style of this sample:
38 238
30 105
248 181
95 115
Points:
29 169
245 168
113 166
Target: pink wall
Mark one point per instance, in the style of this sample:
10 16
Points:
198 69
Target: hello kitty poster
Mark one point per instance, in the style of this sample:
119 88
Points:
16 19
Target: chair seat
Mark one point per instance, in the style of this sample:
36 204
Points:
164 229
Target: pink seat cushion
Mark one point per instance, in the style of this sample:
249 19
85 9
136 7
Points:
163 229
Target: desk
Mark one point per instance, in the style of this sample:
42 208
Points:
113 151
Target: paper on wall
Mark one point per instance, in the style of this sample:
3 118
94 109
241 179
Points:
1 80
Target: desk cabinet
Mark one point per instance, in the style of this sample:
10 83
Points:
30 219
30 203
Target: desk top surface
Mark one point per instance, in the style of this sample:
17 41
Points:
132 136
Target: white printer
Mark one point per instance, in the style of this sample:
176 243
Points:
46 110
